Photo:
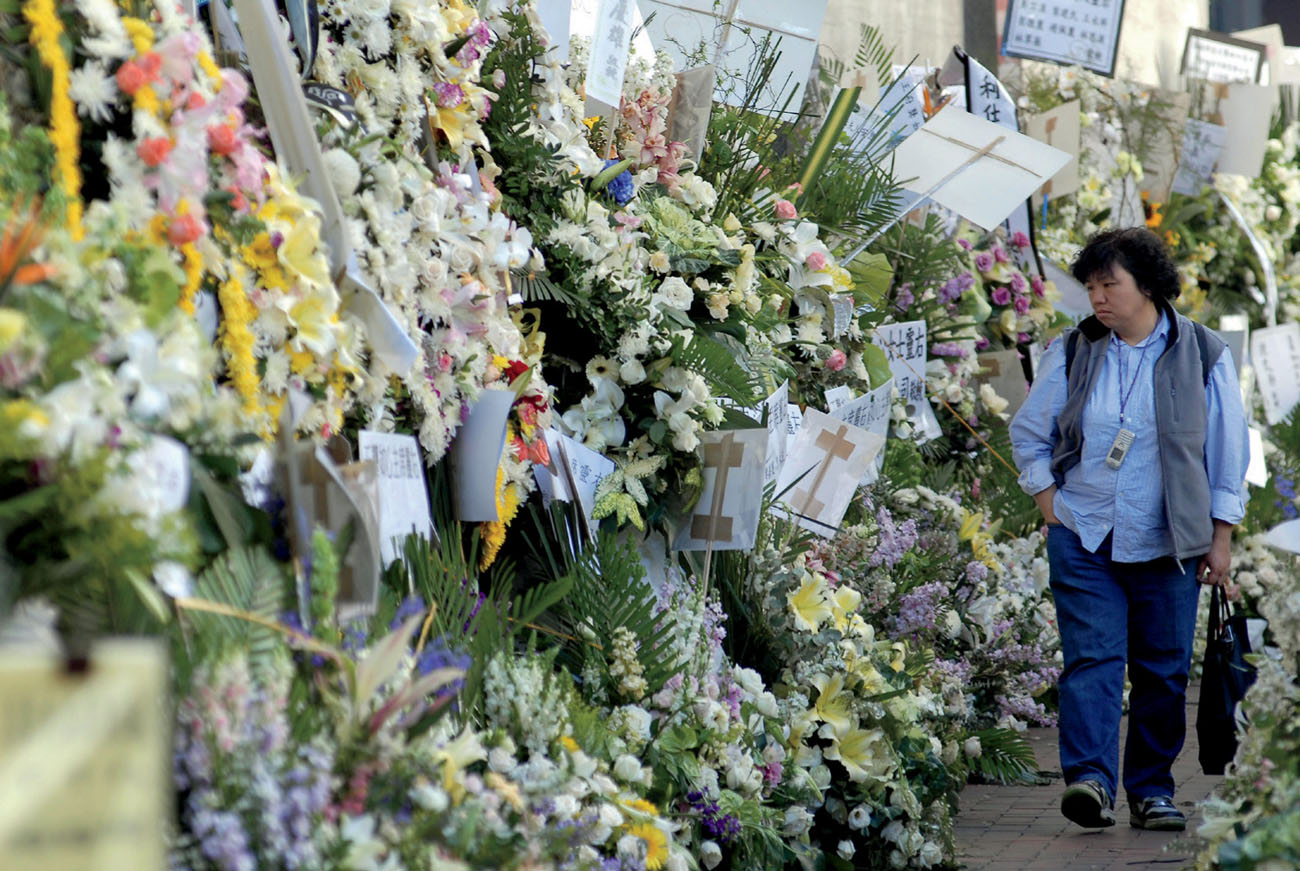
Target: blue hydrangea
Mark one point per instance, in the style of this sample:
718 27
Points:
620 186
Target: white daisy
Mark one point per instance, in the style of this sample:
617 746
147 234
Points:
94 91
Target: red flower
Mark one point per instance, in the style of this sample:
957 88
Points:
515 369
184 229
155 150
222 139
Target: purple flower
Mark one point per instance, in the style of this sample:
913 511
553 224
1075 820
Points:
984 261
981 344
1019 239
1018 282
1037 284
919 608
1022 304
964 243
905 298
1022 338
621 187
1001 296
1000 254
449 94
948 349
895 540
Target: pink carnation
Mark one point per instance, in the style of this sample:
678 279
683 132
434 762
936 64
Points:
816 261
1001 296
835 362
1019 239
785 210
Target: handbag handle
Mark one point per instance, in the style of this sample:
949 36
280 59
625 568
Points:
1220 612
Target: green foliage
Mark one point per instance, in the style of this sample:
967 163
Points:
1006 757
480 625
533 180
721 367
247 579
609 592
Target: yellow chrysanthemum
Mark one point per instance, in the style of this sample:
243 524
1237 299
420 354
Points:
65 130
656 843
569 744
641 806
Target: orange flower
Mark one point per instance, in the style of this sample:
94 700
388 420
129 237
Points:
21 236
155 150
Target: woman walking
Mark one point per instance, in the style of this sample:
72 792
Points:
1133 443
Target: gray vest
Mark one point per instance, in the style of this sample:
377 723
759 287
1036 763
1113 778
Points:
1181 373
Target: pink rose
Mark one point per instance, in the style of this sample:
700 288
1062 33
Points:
835 362
1022 304
816 261
785 210
1037 284
984 261
1000 254
1019 239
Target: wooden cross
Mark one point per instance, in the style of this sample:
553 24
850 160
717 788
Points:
835 445
723 457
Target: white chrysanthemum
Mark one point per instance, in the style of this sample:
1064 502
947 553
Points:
94 91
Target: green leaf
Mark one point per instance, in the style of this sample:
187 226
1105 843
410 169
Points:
872 276
877 363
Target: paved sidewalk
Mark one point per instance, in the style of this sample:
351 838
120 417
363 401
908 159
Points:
1020 828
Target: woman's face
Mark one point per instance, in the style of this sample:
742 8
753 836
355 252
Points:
1116 300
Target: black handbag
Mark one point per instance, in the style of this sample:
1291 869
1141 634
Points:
1224 681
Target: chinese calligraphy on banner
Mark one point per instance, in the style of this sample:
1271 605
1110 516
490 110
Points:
403 493
609 51
905 346
1084 32
1202 143
1275 352
1216 57
870 412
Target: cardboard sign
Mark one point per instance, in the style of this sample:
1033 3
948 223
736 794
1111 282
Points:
838 397
793 423
608 61
903 98
1068 32
1275 353
1003 372
476 454
904 344
1285 536
1159 129
403 489
585 470
1217 57
1257 469
1059 128
726 516
827 461
691 108
553 478
329 495
1271 37
1245 111
733 31
1202 145
555 19
85 778
871 412
974 167
778 422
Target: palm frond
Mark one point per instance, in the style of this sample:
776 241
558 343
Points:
538 287
721 368
249 579
1005 757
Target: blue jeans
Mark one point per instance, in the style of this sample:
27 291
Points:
1109 613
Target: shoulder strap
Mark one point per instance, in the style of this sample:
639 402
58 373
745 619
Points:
1203 343
1071 347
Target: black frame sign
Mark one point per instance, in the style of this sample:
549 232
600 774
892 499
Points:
1083 32
1223 59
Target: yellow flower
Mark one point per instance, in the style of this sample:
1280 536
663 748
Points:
20 412
640 805
656 844
456 755
864 752
843 605
300 251
65 130
12 324
505 789
260 253
494 532
832 705
237 340
312 320
569 744
810 604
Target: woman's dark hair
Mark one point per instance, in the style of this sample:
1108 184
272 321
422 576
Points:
1139 252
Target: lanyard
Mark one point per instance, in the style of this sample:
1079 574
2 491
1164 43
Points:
1124 396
